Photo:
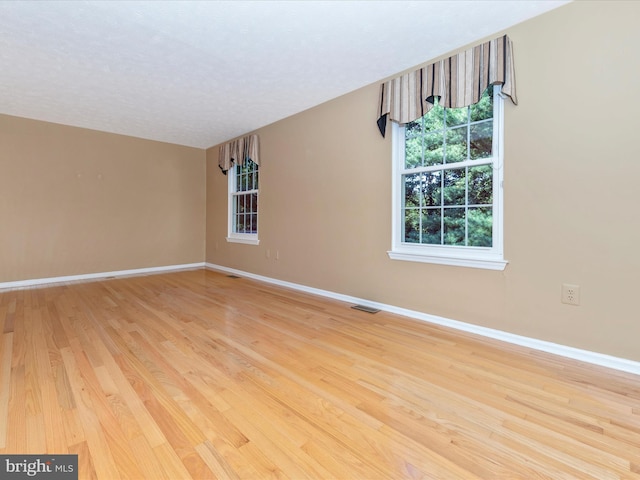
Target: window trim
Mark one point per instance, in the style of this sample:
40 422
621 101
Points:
474 257
234 237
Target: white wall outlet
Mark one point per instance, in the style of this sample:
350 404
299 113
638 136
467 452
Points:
570 294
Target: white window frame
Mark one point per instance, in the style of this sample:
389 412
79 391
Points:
232 236
491 258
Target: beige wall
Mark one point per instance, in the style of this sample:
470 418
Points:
571 202
76 201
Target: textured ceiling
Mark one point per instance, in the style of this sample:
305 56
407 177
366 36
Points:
200 73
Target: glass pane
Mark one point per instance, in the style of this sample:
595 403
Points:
255 179
481 185
411 186
456 148
238 180
431 226
453 192
411 232
253 224
432 189
481 140
434 119
413 152
241 204
254 203
413 128
433 149
453 226
240 223
484 108
480 226
456 116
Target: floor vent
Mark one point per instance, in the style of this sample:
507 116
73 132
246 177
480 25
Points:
364 308
232 276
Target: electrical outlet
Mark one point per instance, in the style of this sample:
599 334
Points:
570 294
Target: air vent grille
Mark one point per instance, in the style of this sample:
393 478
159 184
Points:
364 308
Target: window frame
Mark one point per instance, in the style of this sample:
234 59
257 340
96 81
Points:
491 258
232 194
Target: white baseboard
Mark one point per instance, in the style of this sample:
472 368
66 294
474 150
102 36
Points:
94 276
621 364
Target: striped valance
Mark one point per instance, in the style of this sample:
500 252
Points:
238 151
458 81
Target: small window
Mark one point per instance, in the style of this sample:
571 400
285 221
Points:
243 203
448 186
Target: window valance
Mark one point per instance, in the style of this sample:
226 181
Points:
238 151
457 81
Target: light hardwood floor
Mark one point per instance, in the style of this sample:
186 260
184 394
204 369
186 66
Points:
197 375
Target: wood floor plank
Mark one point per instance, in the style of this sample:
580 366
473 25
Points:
171 464
286 459
6 347
147 460
217 462
195 375
73 430
102 458
86 470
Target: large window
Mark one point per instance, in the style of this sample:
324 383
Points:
448 185
243 203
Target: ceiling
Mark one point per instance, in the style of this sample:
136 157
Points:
199 73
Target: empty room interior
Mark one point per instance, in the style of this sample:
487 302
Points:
322 240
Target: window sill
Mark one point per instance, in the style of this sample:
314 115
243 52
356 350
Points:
245 240
484 262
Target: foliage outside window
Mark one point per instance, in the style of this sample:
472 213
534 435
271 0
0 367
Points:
447 186
243 203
